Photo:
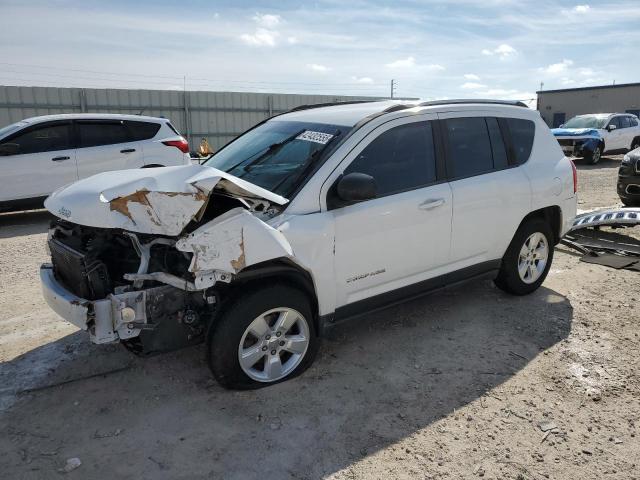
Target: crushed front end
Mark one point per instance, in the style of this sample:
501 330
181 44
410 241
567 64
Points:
143 257
577 142
86 285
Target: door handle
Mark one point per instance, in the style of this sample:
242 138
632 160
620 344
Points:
128 150
59 159
431 203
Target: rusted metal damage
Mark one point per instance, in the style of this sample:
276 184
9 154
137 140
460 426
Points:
239 263
121 204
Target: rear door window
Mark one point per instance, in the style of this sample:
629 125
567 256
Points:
625 122
470 151
94 134
142 130
46 138
522 133
400 159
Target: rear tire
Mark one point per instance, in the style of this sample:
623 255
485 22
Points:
527 261
594 157
262 337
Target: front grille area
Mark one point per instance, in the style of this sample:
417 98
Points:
565 142
86 278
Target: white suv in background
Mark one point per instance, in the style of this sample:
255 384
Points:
589 136
309 218
41 154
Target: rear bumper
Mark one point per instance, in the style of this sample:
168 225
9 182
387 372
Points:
107 320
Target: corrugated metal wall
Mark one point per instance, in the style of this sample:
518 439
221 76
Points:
217 116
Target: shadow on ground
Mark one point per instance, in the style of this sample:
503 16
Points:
374 383
17 224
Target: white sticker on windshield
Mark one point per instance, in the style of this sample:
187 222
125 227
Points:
317 137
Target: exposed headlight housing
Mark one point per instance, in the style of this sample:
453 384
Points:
626 160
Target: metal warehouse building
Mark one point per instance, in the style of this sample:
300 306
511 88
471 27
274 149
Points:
558 106
217 116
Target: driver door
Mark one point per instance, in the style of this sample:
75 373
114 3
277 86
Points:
402 236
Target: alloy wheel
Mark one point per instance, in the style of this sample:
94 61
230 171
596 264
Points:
533 257
274 344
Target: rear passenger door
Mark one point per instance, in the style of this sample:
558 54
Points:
105 145
491 193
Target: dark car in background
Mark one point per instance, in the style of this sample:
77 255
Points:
629 179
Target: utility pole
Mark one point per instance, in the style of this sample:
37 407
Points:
393 87
541 85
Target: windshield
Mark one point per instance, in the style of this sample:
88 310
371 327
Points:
11 128
586 121
276 154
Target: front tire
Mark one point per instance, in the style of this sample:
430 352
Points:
527 261
594 157
262 337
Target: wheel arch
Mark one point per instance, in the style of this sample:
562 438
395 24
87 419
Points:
552 215
281 270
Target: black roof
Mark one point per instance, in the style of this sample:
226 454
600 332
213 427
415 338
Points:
597 87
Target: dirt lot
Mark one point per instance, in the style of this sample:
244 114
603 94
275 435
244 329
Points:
468 383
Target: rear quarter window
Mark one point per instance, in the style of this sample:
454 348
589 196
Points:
522 133
142 130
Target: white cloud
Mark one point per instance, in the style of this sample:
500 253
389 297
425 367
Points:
261 38
586 72
292 40
408 62
472 86
503 51
265 35
557 68
318 68
267 21
581 8
471 76
363 80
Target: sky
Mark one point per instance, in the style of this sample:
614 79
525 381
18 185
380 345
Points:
432 49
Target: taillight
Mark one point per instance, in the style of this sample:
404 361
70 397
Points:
575 176
181 144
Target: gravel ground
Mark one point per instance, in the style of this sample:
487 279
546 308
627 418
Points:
463 384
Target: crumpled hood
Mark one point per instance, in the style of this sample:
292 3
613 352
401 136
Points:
151 200
576 132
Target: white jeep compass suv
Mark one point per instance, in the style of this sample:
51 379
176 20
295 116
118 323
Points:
41 154
311 217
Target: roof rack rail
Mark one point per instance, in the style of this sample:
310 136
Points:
328 104
514 103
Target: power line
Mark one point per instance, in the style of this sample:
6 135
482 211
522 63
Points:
175 77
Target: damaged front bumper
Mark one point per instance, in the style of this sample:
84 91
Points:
578 146
117 317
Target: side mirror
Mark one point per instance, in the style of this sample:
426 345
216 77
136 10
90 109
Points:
611 127
356 187
7 149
